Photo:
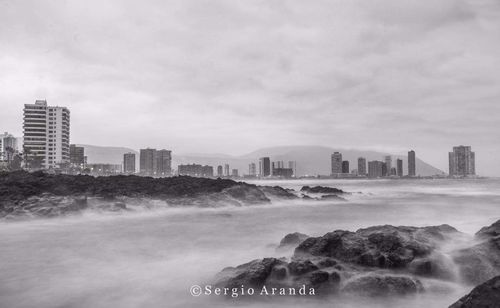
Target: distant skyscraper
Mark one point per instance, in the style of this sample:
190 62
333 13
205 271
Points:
147 162
226 170
385 172
345 166
361 166
76 155
411 163
264 166
163 163
388 163
252 169
399 165
8 146
293 165
462 161
336 163
220 171
46 135
129 163
234 173
375 169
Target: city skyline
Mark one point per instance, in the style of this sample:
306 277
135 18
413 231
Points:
219 77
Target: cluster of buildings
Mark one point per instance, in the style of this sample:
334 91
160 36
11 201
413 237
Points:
46 145
374 169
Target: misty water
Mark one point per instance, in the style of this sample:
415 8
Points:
151 258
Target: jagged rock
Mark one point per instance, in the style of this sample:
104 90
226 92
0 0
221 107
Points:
292 239
436 266
40 194
301 267
490 231
322 190
380 246
486 295
332 197
382 285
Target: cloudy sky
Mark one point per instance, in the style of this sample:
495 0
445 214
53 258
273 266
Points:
232 76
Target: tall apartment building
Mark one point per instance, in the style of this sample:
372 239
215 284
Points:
154 162
220 171
46 135
252 169
76 155
345 166
129 163
164 163
226 170
264 166
147 161
362 166
411 163
8 146
293 165
399 167
336 163
388 164
375 169
462 161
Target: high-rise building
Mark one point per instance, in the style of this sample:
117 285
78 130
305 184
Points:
76 155
345 166
362 166
46 135
252 169
375 169
388 163
129 163
163 163
462 161
148 162
226 170
234 173
336 163
264 166
220 171
8 146
293 165
411 163
399 166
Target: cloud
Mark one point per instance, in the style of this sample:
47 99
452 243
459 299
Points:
231 76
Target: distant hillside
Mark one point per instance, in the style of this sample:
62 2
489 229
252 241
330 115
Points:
311 160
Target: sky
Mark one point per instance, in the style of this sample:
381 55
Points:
229 76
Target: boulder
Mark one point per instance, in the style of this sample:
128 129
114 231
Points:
321 190
486 295
292 239
382 285
380 246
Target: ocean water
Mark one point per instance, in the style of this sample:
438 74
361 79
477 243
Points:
151 258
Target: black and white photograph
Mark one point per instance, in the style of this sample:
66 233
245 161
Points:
250 153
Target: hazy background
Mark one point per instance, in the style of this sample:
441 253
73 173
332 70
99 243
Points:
234 76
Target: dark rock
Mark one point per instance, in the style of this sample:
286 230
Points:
292 239
278 192
301 267
254 274
486 295
382 285
327 262
435 266
381 246
490 231
322 190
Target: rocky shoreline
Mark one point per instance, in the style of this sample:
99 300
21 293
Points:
380 261
38 194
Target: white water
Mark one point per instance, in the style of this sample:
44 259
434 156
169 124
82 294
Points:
151 258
